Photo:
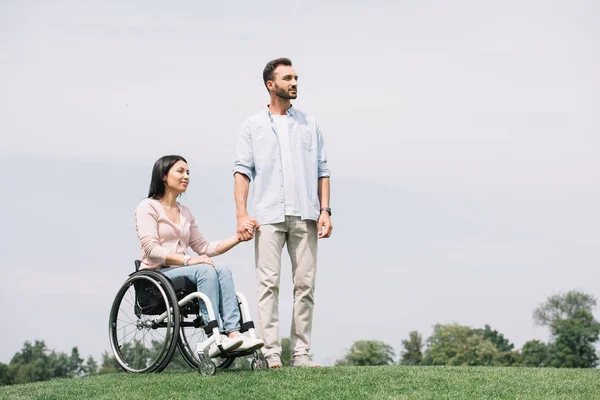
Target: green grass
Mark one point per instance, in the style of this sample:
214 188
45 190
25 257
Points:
327 383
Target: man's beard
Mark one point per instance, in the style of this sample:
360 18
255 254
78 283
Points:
283 94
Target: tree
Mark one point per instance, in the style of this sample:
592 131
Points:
573 346
32 363
507 356
563 306
286 352
573 327
109 364
36 363
368 352
498 339
534 354
5 374
412 354
91 367
454 344
75 364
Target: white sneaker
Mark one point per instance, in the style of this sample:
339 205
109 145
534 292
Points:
303 361
249 344
228 344
273 361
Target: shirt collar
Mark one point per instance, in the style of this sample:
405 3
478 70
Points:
290 111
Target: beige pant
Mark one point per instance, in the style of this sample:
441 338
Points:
301 238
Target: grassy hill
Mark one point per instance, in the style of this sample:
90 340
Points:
395 382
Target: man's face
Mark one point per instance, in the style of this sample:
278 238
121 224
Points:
285 82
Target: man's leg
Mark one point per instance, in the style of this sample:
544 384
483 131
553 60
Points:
268 245
302 247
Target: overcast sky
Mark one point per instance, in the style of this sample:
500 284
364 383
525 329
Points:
462 137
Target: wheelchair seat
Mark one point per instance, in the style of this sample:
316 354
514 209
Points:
182 287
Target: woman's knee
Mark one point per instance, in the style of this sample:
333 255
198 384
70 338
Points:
205 271
223 271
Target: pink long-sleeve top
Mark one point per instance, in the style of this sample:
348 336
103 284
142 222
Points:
159 235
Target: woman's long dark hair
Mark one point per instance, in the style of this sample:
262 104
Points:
159 171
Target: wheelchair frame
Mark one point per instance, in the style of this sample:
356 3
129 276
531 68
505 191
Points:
133 357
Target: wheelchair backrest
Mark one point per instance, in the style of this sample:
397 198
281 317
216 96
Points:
150 301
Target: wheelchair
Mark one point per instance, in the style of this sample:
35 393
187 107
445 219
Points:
153 315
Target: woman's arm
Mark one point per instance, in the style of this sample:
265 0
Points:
201 246
227 244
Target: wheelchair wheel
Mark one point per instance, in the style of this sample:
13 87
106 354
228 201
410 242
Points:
189 336
139 340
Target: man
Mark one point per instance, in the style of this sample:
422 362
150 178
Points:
282 150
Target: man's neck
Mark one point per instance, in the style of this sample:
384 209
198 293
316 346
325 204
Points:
279 106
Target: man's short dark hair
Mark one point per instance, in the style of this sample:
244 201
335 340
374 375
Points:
272 65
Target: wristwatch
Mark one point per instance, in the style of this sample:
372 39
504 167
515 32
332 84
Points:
326 209
186 258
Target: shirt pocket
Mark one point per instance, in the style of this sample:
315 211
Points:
308 139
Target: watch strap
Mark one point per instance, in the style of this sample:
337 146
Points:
326 209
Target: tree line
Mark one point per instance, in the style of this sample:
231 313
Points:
569 318
574 333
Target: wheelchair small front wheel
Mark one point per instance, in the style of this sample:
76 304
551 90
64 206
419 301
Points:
258 362
206 367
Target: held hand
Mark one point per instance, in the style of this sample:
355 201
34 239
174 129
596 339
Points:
246 227
201 260
324 225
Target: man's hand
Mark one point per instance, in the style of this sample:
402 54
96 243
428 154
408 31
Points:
246 227
201 260
324 222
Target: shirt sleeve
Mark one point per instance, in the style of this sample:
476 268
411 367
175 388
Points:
146 224
323 169
244 158
199 244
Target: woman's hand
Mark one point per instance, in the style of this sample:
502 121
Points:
246 227
251 227
201 260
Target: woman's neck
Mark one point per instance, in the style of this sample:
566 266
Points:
169 199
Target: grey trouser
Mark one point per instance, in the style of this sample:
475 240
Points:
301 238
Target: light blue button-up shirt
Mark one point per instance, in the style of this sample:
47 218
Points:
258 156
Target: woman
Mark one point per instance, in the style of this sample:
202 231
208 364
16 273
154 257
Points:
167 228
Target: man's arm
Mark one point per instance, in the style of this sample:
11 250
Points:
324 218
243 171
241 187
324 189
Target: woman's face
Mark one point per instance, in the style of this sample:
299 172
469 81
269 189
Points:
178 177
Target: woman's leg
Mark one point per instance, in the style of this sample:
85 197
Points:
228 307
206 280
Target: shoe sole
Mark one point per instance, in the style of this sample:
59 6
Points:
251 348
